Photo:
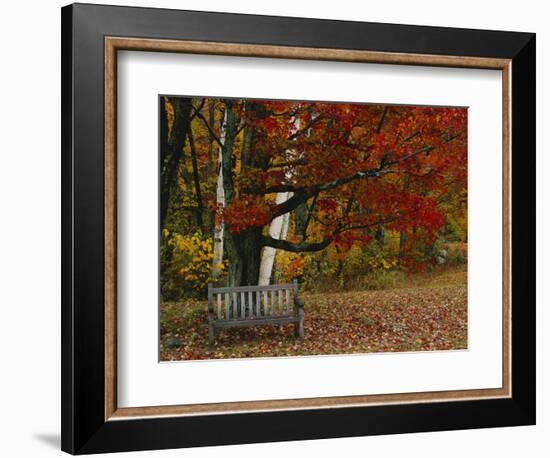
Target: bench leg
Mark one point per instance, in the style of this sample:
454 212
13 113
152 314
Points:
211 333
299 326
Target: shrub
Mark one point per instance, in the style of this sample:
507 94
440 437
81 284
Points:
360 266
187 265
457 253
289 266
383 279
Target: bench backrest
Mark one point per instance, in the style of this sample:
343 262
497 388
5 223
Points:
241 302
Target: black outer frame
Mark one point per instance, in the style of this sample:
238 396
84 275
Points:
84 429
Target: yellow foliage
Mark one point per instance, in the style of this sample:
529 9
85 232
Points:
289 265
192 256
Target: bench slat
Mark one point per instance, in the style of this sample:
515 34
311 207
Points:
238 289
278 303
288 308
255 321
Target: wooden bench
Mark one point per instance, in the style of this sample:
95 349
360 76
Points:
254 305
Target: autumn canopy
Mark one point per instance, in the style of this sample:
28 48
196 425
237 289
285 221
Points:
250 179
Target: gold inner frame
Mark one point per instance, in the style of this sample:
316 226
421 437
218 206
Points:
114 44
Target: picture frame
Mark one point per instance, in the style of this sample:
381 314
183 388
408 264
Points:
92 35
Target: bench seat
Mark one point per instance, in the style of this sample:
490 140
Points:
241 306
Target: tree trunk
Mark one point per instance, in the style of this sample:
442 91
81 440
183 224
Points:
211 119
244 251
225 180
220 203
402 234
172 143
197 182
244 248
227 151
275 231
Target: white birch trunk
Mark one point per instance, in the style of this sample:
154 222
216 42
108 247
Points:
278 230
217 260
286 218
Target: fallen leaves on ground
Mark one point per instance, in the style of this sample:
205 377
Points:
415 318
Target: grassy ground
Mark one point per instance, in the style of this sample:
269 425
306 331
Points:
428 312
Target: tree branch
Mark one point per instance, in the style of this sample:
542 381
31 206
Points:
302 194
426 150
199 115
271 189
304 129
307 247
410 137
366 226
309 215
382 119
197 110
291 163
300 247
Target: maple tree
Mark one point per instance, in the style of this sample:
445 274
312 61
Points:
338 172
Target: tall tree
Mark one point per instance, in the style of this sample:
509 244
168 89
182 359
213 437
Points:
279 226
335 170
196 182
175 119
243 246
217 260
343 151
277 230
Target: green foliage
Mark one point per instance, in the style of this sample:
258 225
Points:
457 253
455 230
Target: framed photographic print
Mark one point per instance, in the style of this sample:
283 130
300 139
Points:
282 228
